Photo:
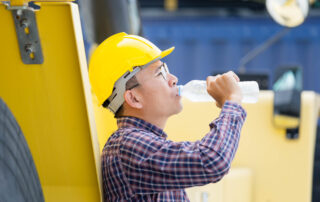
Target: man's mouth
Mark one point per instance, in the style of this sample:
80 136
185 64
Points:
177 91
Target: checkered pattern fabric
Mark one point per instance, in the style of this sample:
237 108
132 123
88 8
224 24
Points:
140 164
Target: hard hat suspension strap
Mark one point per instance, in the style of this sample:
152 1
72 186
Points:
116 99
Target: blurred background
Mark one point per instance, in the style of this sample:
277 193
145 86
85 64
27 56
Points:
275 42
213 36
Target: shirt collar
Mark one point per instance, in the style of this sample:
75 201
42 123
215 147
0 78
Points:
129 121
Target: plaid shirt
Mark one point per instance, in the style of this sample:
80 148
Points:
140 164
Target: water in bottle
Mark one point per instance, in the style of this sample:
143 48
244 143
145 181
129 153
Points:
196 91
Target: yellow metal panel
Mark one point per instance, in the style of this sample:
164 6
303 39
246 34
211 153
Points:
24 2
208 193
52 103
234 187
18 2
282 168
284 121
105 122
237 185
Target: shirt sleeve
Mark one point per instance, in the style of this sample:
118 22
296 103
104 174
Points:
153 164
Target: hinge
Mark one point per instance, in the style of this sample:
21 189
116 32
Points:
27 34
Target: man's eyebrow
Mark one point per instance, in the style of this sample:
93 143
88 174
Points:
158 68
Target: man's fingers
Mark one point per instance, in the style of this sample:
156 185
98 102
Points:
223 87
209 78
212 78
231 73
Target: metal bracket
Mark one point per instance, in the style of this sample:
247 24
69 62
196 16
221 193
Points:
27 33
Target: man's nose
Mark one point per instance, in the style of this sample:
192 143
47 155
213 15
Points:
173 80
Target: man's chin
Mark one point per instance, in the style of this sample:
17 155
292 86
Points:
178 109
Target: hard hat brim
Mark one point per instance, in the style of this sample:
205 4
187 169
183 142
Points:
166 52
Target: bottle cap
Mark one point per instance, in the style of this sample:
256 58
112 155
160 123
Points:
180 89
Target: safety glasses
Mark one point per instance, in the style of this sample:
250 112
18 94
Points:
163 71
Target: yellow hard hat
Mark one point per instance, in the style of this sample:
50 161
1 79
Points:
112 65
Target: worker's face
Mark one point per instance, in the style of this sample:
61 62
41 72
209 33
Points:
159 90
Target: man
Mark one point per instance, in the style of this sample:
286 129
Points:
138 162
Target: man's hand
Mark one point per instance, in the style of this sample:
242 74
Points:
224 87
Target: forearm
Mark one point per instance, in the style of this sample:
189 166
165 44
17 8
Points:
222 140
156 164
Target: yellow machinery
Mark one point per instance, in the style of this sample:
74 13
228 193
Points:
66 129
52 102
267 165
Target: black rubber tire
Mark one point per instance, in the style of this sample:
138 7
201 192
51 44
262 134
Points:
316 169
19 181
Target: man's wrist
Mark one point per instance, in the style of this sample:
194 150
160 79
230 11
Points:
234 107
235 99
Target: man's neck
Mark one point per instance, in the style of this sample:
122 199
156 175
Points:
157 121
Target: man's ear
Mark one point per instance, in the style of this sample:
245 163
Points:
132 99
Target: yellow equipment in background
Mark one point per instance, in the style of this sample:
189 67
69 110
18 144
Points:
52 102
66 129
267 165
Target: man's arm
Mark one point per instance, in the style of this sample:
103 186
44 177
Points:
153 164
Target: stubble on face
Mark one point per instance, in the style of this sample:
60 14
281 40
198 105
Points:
157 96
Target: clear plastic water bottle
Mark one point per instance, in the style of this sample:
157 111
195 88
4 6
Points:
196 91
